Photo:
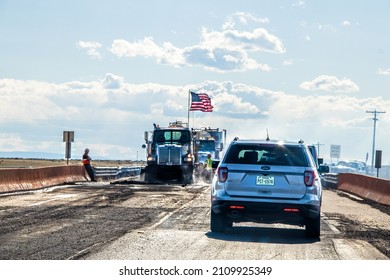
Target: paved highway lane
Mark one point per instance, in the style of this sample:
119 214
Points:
124 221
184 234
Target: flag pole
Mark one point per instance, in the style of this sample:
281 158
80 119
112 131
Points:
188 109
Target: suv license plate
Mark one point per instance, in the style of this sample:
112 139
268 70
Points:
265 180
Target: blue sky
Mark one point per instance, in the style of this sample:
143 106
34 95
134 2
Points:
108 70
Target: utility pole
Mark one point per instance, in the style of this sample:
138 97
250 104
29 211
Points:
375 112
318 148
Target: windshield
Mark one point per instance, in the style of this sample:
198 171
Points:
171 136
206 145
267 154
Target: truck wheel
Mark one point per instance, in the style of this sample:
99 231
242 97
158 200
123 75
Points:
217 222
313 227
147 177
188 180
150 176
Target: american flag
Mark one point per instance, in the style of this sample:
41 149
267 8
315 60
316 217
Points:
201 102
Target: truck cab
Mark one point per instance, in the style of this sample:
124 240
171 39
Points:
169 154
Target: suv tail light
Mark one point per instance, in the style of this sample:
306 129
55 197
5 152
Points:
222 174
309 177
237 207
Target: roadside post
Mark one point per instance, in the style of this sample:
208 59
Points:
378 161
68 138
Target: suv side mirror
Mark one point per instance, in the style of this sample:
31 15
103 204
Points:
323 169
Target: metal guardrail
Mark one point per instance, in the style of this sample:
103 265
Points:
117 172
330 180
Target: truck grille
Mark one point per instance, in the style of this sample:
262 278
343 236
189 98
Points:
169 155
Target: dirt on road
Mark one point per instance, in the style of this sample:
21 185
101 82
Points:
65 223
358 218
70 222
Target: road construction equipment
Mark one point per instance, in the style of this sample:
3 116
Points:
169 153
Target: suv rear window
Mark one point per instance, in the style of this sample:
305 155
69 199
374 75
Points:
269 154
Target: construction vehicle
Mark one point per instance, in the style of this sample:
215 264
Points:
169 154
207 141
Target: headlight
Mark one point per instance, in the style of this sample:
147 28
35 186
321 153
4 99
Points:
151 158
188 158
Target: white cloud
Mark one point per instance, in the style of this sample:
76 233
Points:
257 40
346 23
92 48
299 4
246 18
330 83
222 51
209 54
145 47
326 28
227 103
385 72
222 59
12 142
112 81
110 115
167 54
242 18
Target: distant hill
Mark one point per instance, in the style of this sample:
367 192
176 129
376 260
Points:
36 155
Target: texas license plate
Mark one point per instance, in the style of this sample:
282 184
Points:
265 180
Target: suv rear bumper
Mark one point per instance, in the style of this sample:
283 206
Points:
264 212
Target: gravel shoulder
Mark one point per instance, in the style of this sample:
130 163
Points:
357 218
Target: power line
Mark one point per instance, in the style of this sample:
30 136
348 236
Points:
375 119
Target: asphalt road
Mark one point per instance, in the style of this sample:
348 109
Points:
102 221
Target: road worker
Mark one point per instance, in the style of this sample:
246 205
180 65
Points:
88 166
208 168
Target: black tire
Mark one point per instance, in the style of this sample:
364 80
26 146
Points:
217 222
188 179
188 175
229 224
313 227
150 176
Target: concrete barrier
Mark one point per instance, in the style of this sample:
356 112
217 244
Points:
16 179
367 187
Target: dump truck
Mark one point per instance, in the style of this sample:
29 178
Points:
207 141
169 152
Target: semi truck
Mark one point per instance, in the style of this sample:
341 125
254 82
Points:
169 154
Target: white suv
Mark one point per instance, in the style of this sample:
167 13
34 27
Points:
267 181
